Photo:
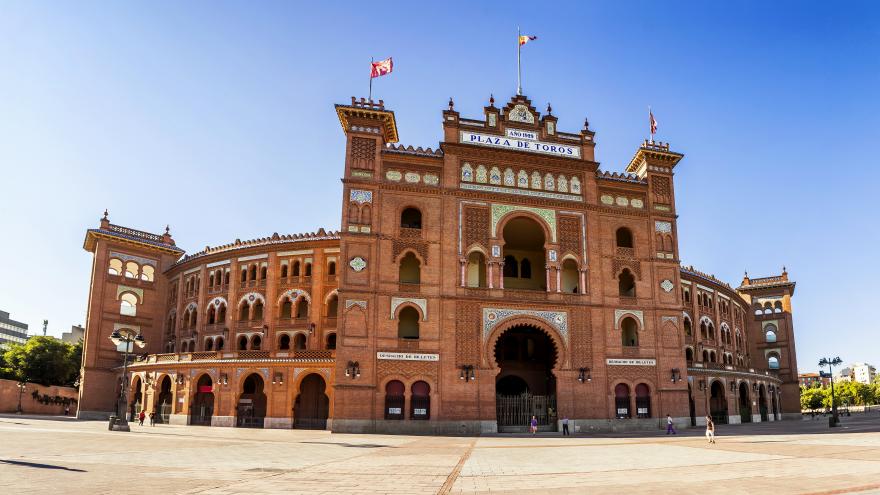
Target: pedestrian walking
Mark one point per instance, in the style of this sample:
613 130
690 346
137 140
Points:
533 425
153 418
710 429
141 417
669 426
66 410
565 426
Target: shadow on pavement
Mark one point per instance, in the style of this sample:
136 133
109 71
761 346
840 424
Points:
40 466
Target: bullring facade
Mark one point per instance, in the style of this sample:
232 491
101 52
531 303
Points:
500 276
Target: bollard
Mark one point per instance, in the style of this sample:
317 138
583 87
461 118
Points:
112 422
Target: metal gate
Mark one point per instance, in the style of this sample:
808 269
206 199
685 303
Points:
514 412
164 413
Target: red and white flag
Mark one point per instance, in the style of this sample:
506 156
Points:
653 122
525 39
381 67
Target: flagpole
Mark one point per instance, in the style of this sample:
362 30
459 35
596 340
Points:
370 95
650 126
518 63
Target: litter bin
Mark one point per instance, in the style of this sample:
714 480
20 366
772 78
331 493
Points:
112 422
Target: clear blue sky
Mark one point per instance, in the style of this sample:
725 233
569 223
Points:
217 117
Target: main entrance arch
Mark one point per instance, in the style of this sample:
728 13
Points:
312 406
525 385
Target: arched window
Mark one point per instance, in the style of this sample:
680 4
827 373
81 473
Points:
128 304
308 270
686 295
394 399
242 343
475 272
629 332
773 362
777 307
525 268
711 330
626 284
258 310
263 270
333 306
212 315
243 311
226 277
284 271
219 343
302 308
570 276
147 273
420 401
706 358
770 333
624 238
131 270
253 272
409 271
331 341
687 326
256 342
511 267
643 401
689 355
295 271
408 323
331 268
411 218
221 313
621 401
115 267
286 308
209 344
366 215
244 274
299 342
284 342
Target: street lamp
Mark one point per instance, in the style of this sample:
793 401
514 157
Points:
22 385
831 363
128 339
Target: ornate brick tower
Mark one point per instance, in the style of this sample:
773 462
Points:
127 292
772 334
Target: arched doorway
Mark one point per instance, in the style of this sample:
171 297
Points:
137 399
164 401
621 401
525 385
774 397
762 403
203 402
745 406
251 410
524 249
692 406
312 406
718 403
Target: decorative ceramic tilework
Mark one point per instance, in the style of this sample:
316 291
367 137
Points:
493 316
620 313
252 297
481 174
294 294
467 172
431 179
360 197
663 227
562 184
621 201
673 319
549 216
492 119
357 263
536 180
352 228
521 113
637 203
551 128
522 179
667 285
217 301
575 185
520 192
365 229
355 302
362 173
552 254
607 199
509 178
495 176
393 175
496 251
421 303
412 177
190 307
549 182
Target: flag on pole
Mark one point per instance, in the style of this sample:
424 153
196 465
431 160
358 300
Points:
525 39
653 123
381 67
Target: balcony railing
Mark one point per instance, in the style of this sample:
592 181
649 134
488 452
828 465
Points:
626 252
409 287
231 355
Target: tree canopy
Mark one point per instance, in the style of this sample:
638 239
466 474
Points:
44 360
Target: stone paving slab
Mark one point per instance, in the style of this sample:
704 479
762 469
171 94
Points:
39 455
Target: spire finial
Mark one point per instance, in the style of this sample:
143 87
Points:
106 213
586 124
451 104
491 100
168 229
549 109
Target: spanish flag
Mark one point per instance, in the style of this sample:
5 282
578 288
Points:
525 39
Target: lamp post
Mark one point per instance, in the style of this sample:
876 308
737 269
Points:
22 385
831 363
128 339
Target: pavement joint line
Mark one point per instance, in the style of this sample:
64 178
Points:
450 480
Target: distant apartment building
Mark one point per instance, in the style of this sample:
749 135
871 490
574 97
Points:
75 334
863 373
11 330
813 379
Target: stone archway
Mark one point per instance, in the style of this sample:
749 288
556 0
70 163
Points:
164 401
745 406
718 403
202 408
525 385
251 407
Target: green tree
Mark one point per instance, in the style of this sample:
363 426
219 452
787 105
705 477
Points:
811 398
43 360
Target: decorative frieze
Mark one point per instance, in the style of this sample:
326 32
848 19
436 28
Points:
421 303
360 196
500 210
620 313
493 316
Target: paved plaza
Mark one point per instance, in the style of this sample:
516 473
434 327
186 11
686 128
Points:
45 455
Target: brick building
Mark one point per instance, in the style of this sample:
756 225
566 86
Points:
500 276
